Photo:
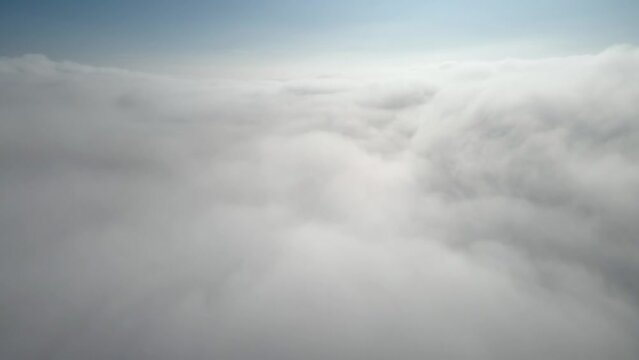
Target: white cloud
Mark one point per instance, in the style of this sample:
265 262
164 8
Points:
458 211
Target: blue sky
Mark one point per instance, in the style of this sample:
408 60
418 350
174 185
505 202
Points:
100 31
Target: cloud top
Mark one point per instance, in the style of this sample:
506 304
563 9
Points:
472 210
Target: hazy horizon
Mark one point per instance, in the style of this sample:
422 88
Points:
134 33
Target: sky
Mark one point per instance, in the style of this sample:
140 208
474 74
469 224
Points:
134 32
305 180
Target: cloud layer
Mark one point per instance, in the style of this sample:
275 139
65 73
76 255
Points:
463 210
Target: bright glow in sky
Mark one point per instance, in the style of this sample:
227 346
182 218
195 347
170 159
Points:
120 32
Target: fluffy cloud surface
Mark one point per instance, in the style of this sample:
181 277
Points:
469 210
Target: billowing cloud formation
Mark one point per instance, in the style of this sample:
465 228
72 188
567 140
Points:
458 211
